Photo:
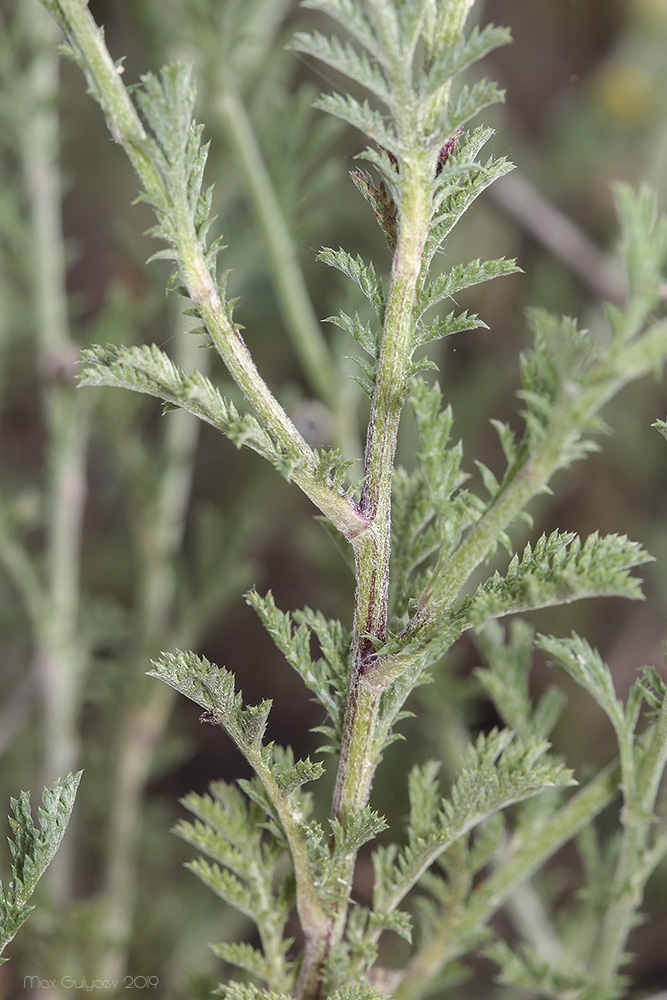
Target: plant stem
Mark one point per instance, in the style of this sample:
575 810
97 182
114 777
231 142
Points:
625 895
532 474
529 479
340 511
126 128
295 303
160 531
360 749
60 653
372 551
450 941
226 78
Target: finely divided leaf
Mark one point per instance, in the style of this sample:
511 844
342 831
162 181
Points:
585 665
661 427
346 59
424 797
149 370
213 688
244 871
243 956
644 252
505 678
360 116
360 827
349 14
364 335
430 509
362 274
527 970
326 676
360 991
452 60
33 849
463 276
454 196
243 991
178 158
291 776
445 326
498 771
470 101
559 570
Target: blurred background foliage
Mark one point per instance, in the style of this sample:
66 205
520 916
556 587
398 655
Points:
175 524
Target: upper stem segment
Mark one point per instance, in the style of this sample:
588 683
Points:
373 549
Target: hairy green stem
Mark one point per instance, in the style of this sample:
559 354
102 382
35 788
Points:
226 77
531 476
373 551
309 906
450 939
625 896
360 750
126 128
340 511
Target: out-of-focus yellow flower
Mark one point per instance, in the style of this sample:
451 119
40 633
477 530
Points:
652 13
628 92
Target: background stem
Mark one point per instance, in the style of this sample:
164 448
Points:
295 305
61 654
161 531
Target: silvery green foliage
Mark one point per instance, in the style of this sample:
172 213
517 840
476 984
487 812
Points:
182 205
151 371
264 849
32 850
326 677
566 380
618 871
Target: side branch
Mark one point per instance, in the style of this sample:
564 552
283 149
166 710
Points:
574 413
127 129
